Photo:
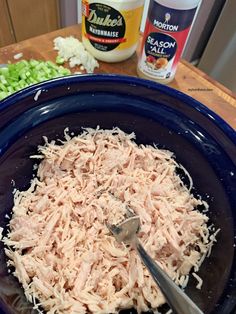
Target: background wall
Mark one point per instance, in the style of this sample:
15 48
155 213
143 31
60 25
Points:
219 57
79 11
69 13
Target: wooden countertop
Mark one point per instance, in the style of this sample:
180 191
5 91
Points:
188 79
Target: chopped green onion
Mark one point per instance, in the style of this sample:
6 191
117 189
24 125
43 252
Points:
60 60
16 76
3 95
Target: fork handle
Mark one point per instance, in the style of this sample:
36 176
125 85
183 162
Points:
179 302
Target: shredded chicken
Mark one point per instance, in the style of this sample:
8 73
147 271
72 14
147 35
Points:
58 242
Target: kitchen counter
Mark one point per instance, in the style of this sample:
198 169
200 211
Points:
188 79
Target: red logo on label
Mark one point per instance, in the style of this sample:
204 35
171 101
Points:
106 40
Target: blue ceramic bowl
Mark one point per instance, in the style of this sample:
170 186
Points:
200 139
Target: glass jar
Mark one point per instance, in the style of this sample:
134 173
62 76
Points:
110 29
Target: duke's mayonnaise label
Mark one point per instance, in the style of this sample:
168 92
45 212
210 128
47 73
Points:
164 38
107 28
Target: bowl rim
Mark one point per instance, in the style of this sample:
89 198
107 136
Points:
65 80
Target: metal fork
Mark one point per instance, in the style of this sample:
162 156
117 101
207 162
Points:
126 232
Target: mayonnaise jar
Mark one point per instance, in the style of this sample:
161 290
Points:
110 29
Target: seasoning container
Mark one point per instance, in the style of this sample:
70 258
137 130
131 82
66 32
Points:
167 27
110 29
